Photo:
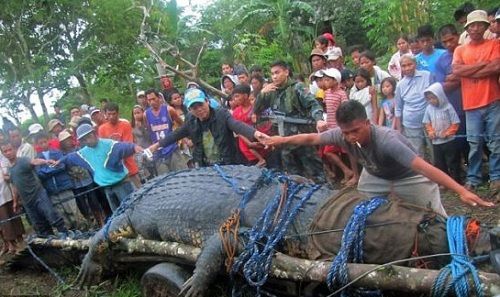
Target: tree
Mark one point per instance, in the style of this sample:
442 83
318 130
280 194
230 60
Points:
291 23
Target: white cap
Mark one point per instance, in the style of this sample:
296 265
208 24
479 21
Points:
318 73
334 53
35 128
333 73
141 93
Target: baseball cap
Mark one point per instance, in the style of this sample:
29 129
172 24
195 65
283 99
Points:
141 93
334 53
333 73
330 37
35 128
497 15
192 84
346 74
318 74
93 110
84 107
192 96
64 135
477 16
83 130
53 123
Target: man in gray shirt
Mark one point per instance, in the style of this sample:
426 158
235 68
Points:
390 163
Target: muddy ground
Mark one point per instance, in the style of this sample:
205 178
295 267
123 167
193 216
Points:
27 282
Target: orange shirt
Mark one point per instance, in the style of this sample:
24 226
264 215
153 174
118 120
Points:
122 131
478 92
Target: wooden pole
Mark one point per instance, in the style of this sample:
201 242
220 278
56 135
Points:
391 277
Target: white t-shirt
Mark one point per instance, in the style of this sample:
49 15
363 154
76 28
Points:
5 193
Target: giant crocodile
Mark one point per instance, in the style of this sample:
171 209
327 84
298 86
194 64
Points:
189 206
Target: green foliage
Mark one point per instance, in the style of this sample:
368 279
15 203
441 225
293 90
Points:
385 20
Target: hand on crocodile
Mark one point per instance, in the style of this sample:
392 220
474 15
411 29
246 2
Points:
90 273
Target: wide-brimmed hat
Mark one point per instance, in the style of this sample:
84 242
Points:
53 123
477 16
316 52
64 135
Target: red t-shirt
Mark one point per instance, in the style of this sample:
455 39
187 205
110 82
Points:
478 92
53 145
246 117
122 131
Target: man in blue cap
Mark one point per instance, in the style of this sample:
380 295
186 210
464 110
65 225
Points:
211 130
103 158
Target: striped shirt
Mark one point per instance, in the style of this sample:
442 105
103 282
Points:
333 98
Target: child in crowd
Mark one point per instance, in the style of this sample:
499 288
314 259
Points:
334 96
347 81
57 183
320 93
386 115
441 123
364 93
177 102
243 112
140 132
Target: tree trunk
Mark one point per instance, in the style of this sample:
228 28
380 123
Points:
391 277
42 104
83 85
27 103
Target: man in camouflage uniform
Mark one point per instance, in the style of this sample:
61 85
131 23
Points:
298 110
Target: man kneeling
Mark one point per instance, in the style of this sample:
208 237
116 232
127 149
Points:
390 163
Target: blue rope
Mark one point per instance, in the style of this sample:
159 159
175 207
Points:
257 256
231 181
460 264
351 249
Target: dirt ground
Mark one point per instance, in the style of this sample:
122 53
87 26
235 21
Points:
27 282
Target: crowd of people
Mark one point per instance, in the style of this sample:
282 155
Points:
438 103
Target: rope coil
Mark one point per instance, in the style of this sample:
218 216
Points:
455 274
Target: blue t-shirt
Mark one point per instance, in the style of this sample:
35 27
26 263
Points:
387 106
443 68
428 62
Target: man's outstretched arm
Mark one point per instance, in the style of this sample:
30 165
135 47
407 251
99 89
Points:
441 178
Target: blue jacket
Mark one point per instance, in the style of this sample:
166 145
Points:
54 179
104 161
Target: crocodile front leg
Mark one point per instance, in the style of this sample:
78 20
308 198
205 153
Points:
95 261
209 264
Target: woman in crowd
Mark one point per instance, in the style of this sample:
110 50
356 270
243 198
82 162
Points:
140 132
403 48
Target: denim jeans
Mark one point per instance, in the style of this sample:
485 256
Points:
117 193
43 216
483 125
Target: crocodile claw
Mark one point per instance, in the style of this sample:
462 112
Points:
190 289
90 273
